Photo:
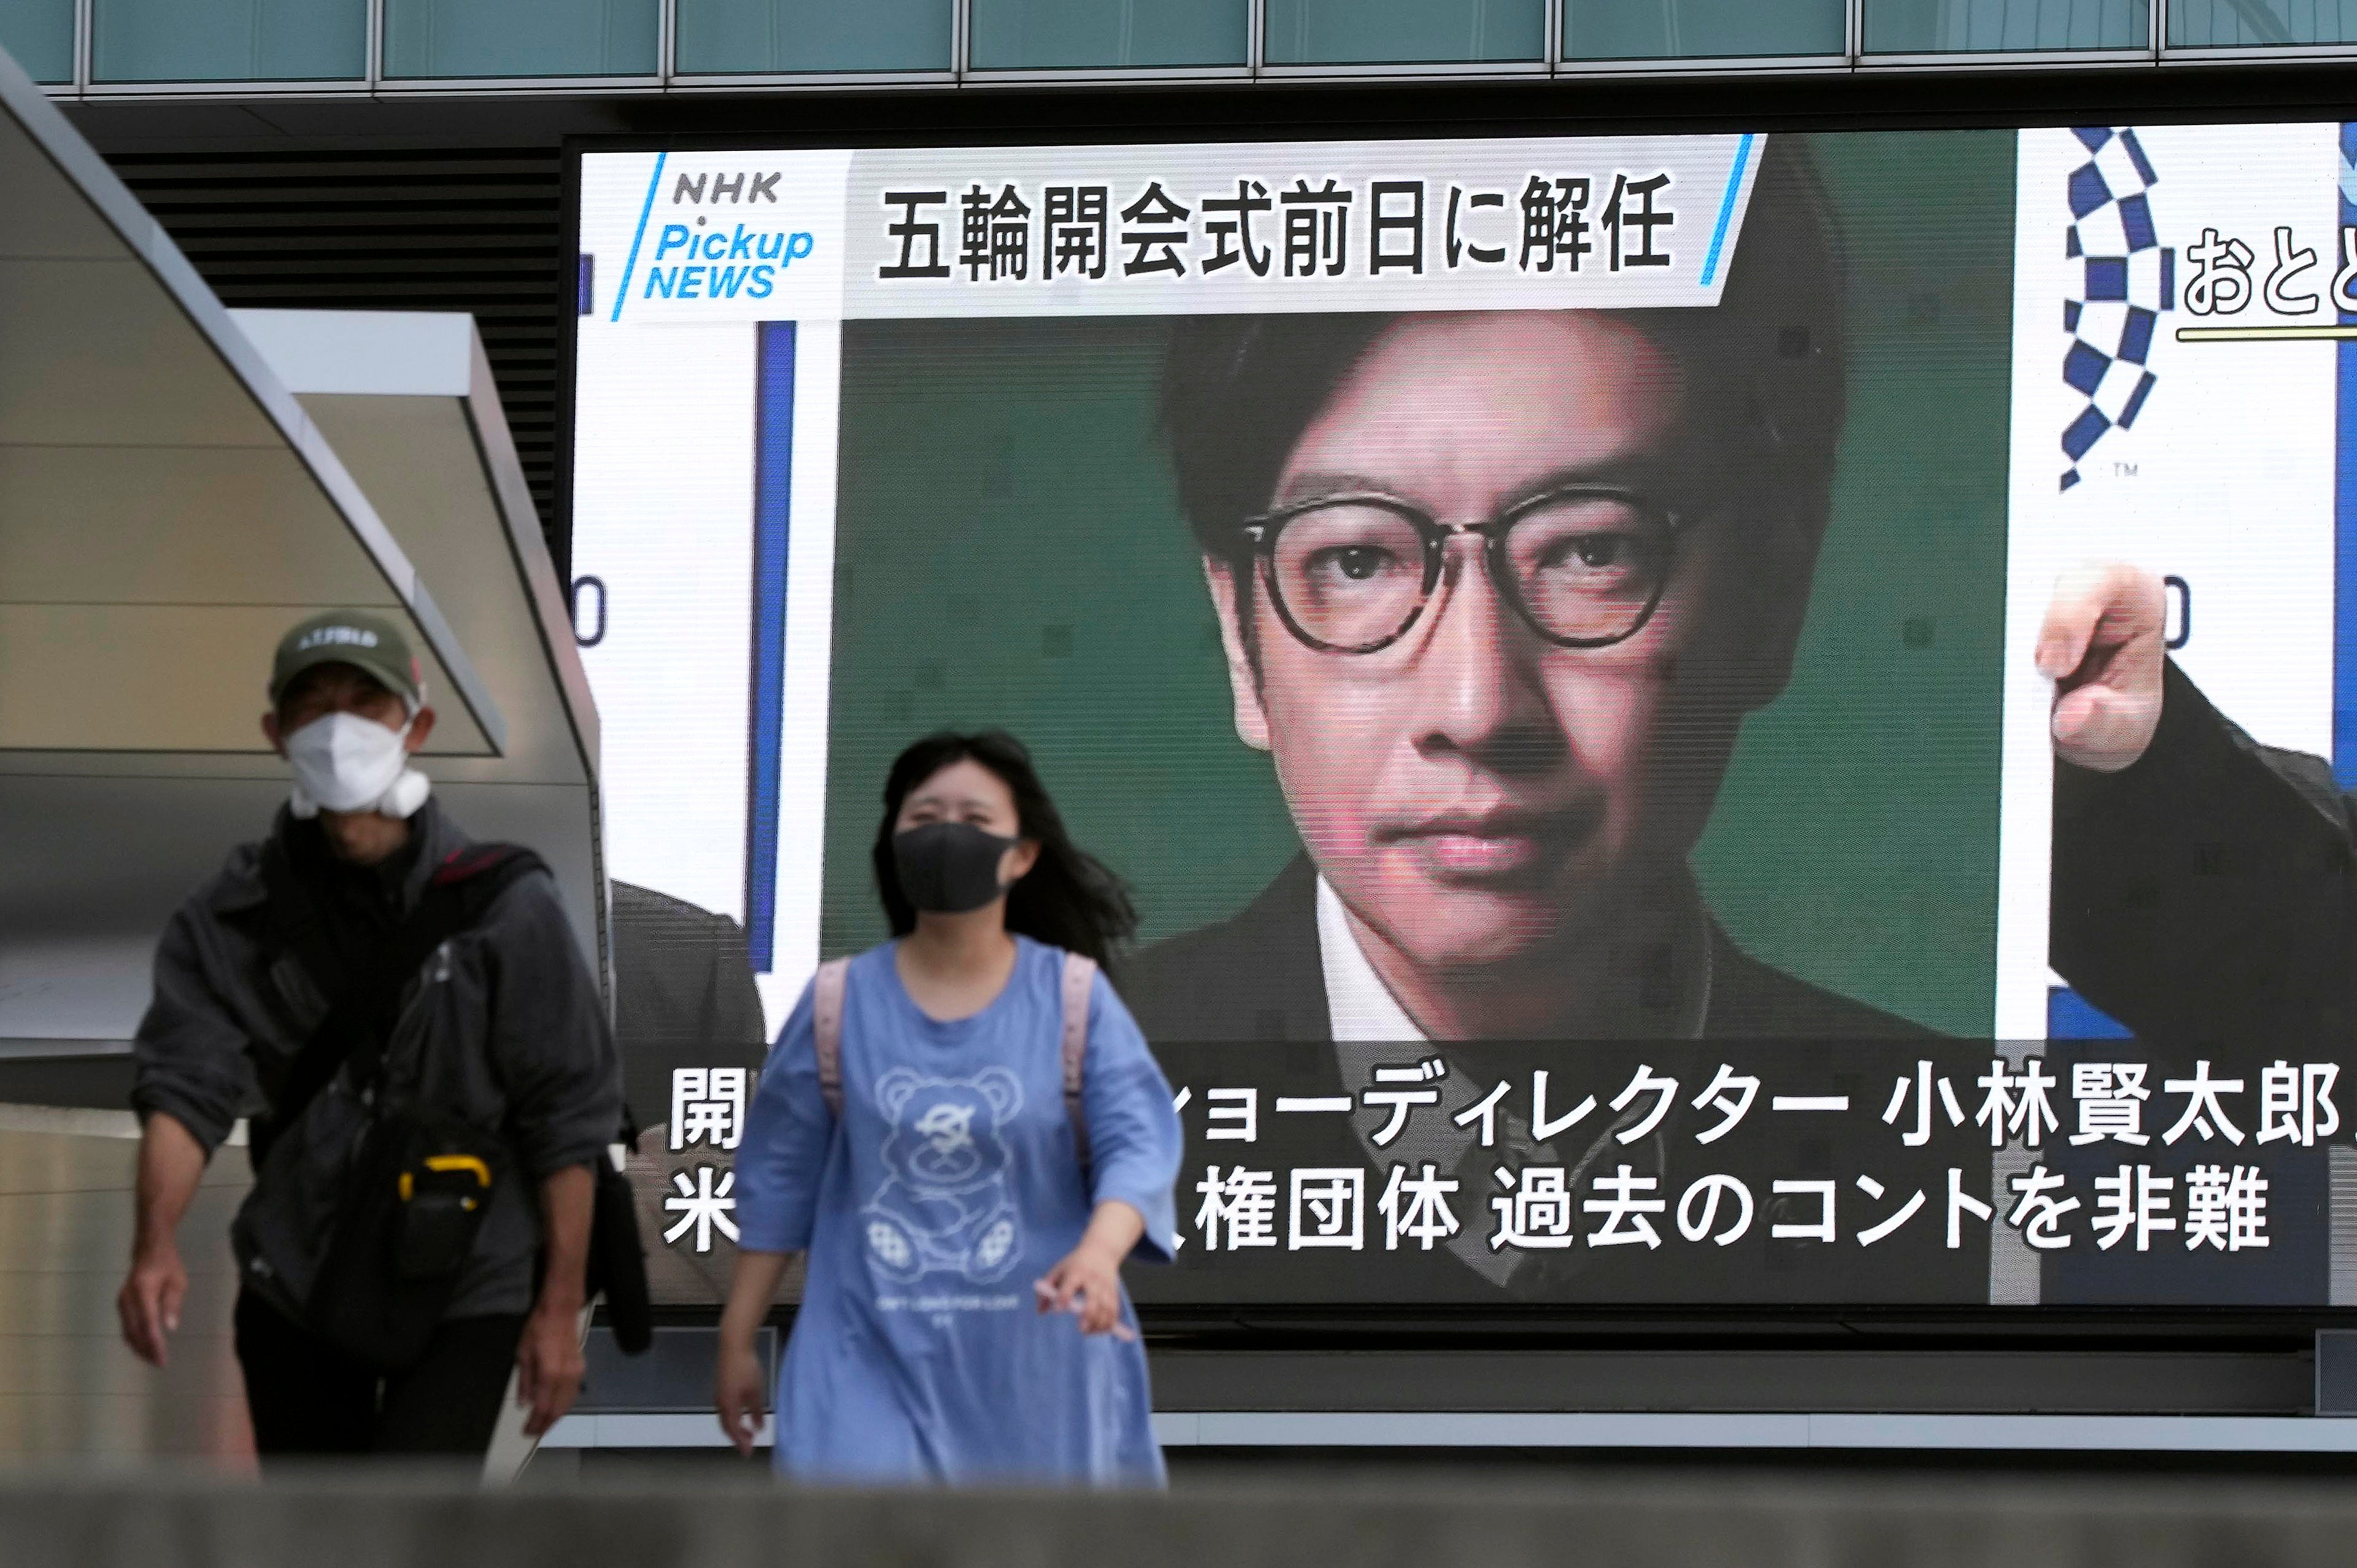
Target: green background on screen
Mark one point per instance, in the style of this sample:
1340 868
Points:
1009 552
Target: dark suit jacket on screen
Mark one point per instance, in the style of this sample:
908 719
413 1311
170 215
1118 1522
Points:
683 995
2206 898
2209 893
1258 977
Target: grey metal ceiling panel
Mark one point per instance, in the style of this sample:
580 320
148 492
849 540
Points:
109 339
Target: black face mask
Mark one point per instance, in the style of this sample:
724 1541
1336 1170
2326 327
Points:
949 868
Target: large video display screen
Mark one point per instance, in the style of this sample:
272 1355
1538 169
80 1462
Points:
1546 629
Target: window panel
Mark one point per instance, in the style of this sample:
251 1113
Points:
725 36
520 37
38 33
1367 32
1043 35
229 40
2259 24
1673 29
1991 27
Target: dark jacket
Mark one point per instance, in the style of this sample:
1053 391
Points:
683 995
2206 898
1258 977
2209 892
502 1027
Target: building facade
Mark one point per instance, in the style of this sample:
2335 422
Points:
418 155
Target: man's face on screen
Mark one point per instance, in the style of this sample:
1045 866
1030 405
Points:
1476 791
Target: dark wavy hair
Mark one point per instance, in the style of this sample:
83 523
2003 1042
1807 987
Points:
1068 898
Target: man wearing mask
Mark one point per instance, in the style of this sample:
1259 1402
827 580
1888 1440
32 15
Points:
408 1021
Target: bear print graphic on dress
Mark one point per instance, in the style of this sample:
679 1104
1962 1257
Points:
946 1204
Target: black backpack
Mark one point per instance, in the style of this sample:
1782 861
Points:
422 1183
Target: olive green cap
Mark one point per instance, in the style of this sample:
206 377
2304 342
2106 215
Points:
367 642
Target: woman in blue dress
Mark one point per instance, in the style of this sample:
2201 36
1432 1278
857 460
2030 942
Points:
968 1210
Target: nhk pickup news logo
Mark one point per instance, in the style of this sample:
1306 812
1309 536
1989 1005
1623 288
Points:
713 237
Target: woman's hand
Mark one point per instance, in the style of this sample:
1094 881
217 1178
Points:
738 1395
1087 1281
738 1391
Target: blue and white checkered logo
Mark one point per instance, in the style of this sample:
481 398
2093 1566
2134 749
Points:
2127 277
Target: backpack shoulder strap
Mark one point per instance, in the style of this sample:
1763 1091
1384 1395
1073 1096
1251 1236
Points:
827 1028
294 919
489 867
1079 982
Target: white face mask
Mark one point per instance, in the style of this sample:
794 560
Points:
343 762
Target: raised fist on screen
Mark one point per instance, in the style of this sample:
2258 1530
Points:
2102 646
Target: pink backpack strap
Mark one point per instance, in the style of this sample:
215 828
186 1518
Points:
827 1028
1079 982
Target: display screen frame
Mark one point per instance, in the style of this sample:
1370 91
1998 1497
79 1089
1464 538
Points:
1945 1323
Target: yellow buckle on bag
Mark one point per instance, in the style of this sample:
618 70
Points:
449 1163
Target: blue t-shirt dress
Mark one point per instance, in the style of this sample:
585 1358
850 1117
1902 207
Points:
950 1184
